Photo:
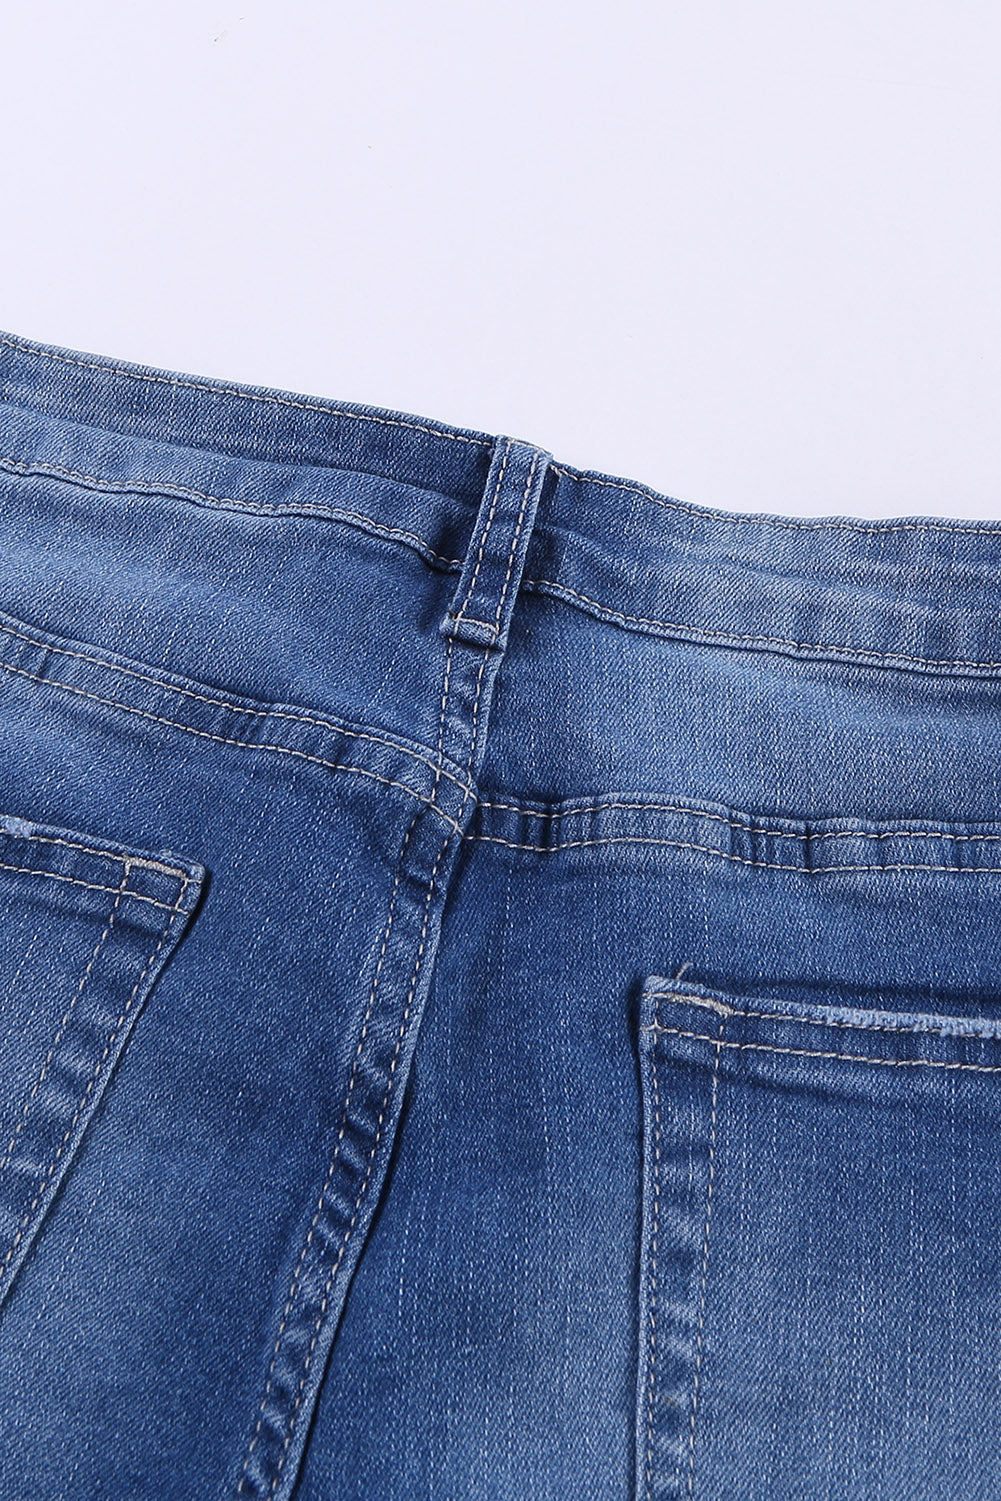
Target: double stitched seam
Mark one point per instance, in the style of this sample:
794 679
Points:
551 586
765 1047
293 1415
263 745
5 1265
265 712
797 523
705 1263
172 490
565 592
748 827
271 399
73 844
483 540
813 1021
267 399
55 875
26 1110
654 1249
724 855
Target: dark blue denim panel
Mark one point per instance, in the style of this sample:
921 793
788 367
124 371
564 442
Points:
473 1138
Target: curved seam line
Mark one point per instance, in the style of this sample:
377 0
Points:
266 712
171 490
242 744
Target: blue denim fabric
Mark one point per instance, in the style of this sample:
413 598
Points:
501 969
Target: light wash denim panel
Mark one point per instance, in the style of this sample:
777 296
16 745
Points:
501 969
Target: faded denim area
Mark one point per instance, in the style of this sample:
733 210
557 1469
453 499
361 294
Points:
501 971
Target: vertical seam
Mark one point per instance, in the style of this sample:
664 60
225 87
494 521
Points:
514 541
64 1023
652 1322
290 1430
109 1044
485 533
705 1262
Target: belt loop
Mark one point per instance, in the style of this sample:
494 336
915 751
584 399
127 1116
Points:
480 610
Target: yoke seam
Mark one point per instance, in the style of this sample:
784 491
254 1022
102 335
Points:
549 587
263 745
747 827
806 870
265 712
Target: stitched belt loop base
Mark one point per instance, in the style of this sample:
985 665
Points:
480 610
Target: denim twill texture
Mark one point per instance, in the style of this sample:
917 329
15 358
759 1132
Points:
501 969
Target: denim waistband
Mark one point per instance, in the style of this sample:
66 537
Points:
917 593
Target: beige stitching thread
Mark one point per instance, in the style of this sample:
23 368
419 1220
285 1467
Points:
243 744
146 861
5 1265
804 870
514 540
819 1021
654 1248
368 1169
564 591
389 1084
334 1159
26 1109
485 534
55 875
171 490
220 390
330 1171
458 437
703 512
265 712
751 828
553 587
764 1047
705 1264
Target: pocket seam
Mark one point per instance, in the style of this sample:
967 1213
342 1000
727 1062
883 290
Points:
765 1047
109 1044
813 1021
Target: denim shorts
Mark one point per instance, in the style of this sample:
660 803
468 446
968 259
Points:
501 969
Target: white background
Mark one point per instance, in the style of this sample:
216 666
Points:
746 254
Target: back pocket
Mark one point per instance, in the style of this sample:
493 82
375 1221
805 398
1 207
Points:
820 1277
87 926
